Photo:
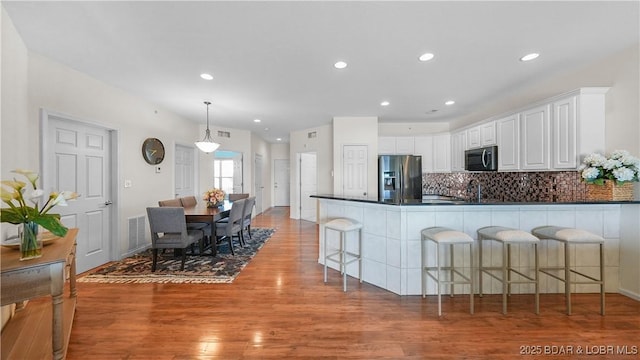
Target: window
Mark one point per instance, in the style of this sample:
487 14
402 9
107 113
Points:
223 175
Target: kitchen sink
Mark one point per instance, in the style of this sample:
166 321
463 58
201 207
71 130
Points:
441 199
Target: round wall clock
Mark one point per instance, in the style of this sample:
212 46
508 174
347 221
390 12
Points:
153 151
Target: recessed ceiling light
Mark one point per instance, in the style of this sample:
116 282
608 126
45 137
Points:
206 76
426 57
450 102
278 139
384 103
256 120
266 129
529 57
340 65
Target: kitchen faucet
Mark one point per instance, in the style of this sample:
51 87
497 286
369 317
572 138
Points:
470 188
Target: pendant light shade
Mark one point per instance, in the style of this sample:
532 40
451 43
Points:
207 145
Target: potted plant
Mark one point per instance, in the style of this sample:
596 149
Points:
24 209
610 178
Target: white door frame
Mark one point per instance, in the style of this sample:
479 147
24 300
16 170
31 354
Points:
114 211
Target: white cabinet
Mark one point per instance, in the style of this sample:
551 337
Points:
534 138
458 146
386 145
473 137
488 134
423 146
482 135
508 134
405 145
442 153
563 129
389 145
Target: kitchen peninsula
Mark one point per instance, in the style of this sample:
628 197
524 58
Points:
391 237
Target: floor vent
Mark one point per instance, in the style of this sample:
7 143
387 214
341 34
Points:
137 231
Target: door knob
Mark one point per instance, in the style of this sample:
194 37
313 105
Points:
108 202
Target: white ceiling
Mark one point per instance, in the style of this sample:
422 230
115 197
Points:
274 60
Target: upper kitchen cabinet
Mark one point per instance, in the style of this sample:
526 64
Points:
442 153
482 135
389 145
534 138
423 146
458 147
386 145
564 134
508 134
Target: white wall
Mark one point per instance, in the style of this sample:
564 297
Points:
412 129
355 131
322 145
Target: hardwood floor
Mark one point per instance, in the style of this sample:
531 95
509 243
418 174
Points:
279 308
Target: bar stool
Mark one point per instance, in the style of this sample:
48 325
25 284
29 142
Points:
571 236
341 255
446 236
507 237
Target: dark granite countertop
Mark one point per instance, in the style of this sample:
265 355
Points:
370 200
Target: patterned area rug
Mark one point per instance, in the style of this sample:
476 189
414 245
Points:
223 268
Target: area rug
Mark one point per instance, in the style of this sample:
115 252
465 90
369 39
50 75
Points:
223 268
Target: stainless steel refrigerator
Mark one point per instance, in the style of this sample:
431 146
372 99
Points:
399 178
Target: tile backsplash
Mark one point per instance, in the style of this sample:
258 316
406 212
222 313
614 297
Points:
544 186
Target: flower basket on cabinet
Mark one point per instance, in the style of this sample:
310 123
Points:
610 191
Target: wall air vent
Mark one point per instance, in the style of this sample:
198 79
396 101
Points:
225 134
312 135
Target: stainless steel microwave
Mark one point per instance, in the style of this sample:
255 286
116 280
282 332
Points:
482 159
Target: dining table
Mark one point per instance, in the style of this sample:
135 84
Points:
201 213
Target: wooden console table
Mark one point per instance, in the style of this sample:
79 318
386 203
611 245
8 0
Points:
28 334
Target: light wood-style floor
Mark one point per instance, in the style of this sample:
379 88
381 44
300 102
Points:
279 308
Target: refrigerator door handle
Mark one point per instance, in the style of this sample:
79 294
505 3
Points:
402 183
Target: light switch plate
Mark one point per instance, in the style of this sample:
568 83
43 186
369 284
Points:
158 169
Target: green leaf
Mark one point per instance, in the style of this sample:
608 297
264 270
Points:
11 216
52 223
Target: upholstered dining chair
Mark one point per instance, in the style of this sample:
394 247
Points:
187 202
232 226
234 197
169 231
171 202
246 214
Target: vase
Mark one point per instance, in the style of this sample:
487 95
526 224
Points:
610 191
211 204
30 242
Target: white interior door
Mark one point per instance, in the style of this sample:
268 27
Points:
185 171
308 186
79 160
354 170
281 182
257 179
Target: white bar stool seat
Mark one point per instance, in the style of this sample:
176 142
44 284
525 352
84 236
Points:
445 236
507 237
341 256
570 236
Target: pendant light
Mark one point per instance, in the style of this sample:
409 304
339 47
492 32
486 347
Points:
207 145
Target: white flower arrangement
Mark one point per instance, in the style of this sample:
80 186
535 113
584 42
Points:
620 167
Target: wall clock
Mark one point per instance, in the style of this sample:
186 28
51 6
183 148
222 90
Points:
153 151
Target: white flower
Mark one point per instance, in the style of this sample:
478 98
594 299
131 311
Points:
623 174
618 154
611 164
595 160
590 173
35 196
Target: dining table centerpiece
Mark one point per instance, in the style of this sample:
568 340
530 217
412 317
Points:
214 197
24 210
610 178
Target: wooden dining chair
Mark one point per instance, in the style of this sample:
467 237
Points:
169 231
